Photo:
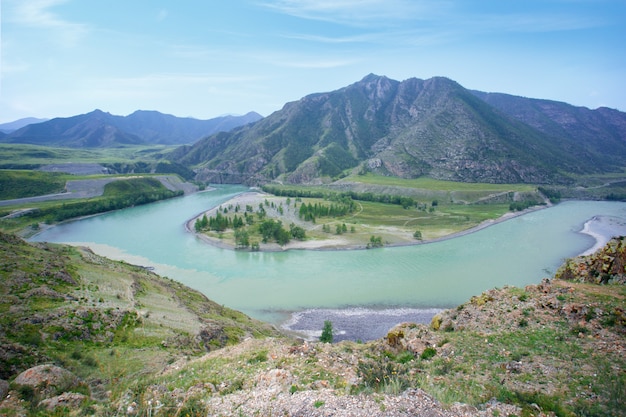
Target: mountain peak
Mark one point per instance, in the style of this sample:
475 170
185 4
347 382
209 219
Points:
407 129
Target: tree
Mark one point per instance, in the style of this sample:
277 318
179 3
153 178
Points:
327 332
375 242
242 238
297 232
417 235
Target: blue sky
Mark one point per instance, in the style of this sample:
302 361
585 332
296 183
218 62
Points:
208 58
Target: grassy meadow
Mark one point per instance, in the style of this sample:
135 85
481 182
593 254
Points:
23 156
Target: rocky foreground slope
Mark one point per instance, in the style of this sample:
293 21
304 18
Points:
83 335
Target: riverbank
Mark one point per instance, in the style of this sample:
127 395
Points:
603 229
395 237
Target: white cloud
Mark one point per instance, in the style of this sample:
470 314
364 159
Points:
314 64
38 14
358 12
531 23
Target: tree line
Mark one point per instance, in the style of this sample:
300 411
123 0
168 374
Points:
86 208
403 201
310 211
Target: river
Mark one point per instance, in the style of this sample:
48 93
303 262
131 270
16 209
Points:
354 288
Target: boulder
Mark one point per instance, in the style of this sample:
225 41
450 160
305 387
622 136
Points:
4 389
47 380
71 400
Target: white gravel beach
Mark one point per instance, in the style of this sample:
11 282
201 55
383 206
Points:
603 229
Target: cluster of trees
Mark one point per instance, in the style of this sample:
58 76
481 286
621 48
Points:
406 202
553 195
339 229
273 230
375 242
522 205
269 230
220 223
86 208
310 211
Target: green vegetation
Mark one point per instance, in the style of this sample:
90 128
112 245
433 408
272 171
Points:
426 183
327 332
118 327
244 228
20 184
376 203
22 156
109 323
118 194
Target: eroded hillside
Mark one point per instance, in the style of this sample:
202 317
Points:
129 341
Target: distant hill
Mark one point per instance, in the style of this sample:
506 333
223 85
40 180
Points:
600 133
413 128
100 129
17 124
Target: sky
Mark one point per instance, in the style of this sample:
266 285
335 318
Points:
204 59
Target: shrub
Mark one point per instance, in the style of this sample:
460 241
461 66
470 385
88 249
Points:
428 353
327 332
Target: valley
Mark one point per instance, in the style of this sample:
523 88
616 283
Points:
138 315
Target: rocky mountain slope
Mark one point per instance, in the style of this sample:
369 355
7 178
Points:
100 129
80 334
600 134
408 129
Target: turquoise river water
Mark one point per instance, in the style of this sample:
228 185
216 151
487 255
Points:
272 286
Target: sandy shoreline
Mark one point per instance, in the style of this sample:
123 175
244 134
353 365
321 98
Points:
603 229
335 242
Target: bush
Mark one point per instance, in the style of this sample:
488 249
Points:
327 332
428 353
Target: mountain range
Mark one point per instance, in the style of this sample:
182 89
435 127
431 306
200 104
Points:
413 128
100 129
18 124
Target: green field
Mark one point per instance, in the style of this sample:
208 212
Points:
20 184
32 156
440 207
393 224
439 185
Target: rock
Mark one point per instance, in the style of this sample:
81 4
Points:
4 389
275 380
47 379
72 400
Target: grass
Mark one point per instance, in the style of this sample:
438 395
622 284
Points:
32 156
551 362
20 184
119 325
393 223
439 185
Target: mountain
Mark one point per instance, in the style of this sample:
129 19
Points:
17 124
408 129
600 132
100 129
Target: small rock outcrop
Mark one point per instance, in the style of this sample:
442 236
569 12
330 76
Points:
4 389
606 265
71 400
47 380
